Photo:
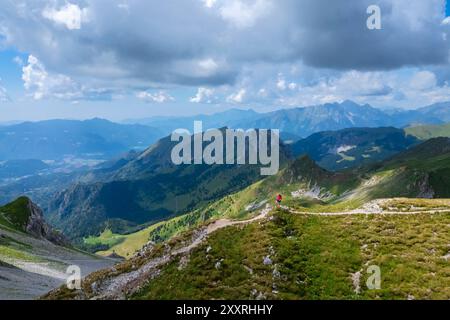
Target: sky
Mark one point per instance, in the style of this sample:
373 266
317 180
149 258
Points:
123 59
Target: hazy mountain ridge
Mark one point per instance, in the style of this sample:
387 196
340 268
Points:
304 121
56 139
19 168
350 148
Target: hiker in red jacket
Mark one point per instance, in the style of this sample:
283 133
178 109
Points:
279 199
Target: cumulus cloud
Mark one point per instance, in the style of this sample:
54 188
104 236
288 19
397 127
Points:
409 88
244 14
40 84
204 95
238 97
158 97
209 3
70 15
281 83
37 80
217 43
423 80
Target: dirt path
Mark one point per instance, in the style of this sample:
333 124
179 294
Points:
364 212
128 283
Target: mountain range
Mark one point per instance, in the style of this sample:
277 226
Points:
102 139
304 121
145 189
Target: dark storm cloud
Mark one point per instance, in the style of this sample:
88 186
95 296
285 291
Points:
333 34
187 43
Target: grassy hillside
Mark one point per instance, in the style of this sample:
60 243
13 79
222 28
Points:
430 131
295 256
315 258
15 214
354 147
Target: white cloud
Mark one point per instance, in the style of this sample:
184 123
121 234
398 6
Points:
281 83
237 97
262 93
204 95
361 83
423 80
71 16
35 77
208 67
408 89
209 3
158 97
446 21
244 14
293 86
37 80
3 94
42 84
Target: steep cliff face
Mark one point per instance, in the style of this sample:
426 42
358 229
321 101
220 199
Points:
38 227
25 216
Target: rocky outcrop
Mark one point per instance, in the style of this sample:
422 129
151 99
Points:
425 189
38 227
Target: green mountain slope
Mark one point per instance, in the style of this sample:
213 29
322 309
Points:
350 148
15 215
428 132
147 189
